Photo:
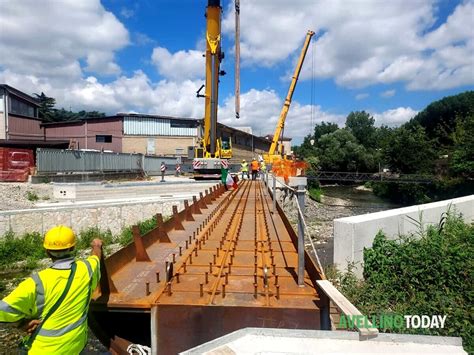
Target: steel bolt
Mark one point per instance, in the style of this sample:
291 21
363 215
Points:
157 277
223 290
174 258
180 251
201 290
278 292
210 267
169 288
147 287
206 277
255 290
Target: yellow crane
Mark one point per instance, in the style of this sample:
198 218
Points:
276 152
211 152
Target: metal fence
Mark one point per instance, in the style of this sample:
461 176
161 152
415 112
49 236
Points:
75 161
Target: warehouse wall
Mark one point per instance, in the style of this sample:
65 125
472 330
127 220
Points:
157 145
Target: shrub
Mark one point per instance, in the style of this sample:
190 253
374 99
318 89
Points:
430 273
126 237
32 196
13 249
86 236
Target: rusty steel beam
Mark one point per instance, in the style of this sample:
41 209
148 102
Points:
223 263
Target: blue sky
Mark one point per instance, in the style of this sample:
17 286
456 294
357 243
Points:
390 58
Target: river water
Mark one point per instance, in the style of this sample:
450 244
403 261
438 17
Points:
338 201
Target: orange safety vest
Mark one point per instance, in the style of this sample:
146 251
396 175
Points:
254 165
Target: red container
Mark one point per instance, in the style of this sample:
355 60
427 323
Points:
15 164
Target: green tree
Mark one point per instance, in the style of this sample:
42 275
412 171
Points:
324 128
410 151
340 151
46 109
361 125
462 161
439 118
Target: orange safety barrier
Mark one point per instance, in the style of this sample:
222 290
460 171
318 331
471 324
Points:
286 168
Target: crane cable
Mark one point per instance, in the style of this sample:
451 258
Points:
313 87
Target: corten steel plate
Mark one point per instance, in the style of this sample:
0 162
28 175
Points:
223 263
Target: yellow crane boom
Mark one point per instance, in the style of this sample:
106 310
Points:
272 155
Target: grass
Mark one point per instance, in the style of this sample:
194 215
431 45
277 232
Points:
315 194
29 246
32 196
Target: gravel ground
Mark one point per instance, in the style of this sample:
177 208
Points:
319 218
15 195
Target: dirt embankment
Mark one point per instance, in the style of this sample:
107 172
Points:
320 218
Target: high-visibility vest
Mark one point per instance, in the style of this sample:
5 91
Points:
254 165
263 166
244 167
65 331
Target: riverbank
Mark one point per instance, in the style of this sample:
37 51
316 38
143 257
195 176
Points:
336 202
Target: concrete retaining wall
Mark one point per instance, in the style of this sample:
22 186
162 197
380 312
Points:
353 234
113 216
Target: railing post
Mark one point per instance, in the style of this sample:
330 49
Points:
300 193
274 193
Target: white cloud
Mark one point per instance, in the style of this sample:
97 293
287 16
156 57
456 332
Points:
127 12
388 93
261 111
394 117
182 65
362 96
48 39
366 43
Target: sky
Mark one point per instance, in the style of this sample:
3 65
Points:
389 58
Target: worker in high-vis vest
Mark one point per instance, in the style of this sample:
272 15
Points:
244 168
54 302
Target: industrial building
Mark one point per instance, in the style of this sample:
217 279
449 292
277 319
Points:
148 134
19 118
21 127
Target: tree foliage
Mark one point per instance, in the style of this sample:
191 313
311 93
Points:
48 112
324 128
409 151
361 125
462 161
340 151
439 118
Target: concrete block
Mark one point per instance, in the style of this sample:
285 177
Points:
64 191
83 219
23 223
353 234
53 218
109 218
295 181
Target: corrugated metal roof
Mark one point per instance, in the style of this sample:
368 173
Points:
144 126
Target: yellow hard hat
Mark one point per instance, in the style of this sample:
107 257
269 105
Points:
243 160
59 238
